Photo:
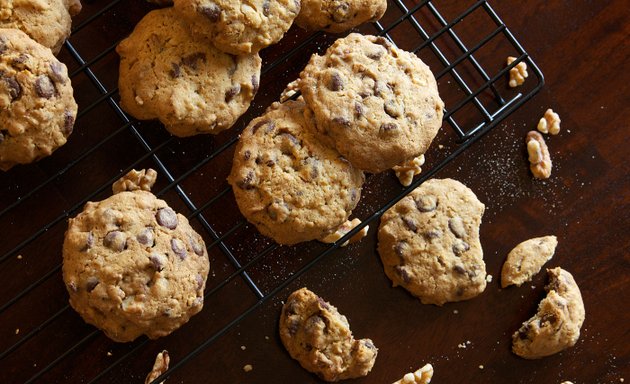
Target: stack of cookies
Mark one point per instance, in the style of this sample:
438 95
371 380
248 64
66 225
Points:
37 107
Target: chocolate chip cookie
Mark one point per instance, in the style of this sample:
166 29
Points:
378 104
169 73
287 183
526 260
429 242
45 21
338 16
556 325
319 338
240 27
134 266
37 107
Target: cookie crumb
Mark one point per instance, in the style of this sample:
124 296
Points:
480 366
266 337
489 278
462 345
440 146
455 311
243 347
109 354
17 330
248 368
19 257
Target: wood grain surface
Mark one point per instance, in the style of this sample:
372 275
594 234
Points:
581 46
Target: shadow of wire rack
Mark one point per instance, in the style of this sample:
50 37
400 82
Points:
49 337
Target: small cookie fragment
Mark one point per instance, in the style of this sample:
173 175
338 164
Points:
162 360
346 227
339 16
421 376
526 260
556 325
407 170
136 180
549 123
429 243
518 74
539 158
319 338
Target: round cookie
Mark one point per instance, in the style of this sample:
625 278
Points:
556 326
429 242
133 266
338 16
37 107
45 21
239 27
168 73
319 338
378 104
287 183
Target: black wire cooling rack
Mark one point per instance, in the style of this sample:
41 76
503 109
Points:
477 99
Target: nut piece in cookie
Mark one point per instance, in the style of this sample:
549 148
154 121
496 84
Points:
526 260
429 243
239 27
339 15
162 360
377 104
135 180
282 174
346 227
556 325
539 158
169 73
37 107
319 338
421 376
134 266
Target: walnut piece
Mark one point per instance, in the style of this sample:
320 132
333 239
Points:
135 180
160 366
421 376
345 228
518 74
549 123
407 170
289 92
539 158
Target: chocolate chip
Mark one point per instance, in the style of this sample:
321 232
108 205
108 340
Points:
166 217
230 93
270 163
3 44
341 121
323 303
196 246
89 242
388 127
402 272
232 68
260 124
410 224
57 73
175 71
293 327
336 83
399 248
247 182
211 11
426 203
255 84
44 86
358 109
460 246
193 59
459 269
291 308
341 13
392 109
247 155
266 8
375 55
72 286
146 237
433 234
368 344
115 240
288 142
21 59
199 280
549 318
158 261
68 123
91 283
179 248
456 224
2 133
15 90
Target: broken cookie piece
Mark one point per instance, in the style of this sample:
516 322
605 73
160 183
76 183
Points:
319 338
421 376
526 260
136 180
556 325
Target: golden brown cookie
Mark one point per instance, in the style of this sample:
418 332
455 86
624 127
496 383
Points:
526 260
338 16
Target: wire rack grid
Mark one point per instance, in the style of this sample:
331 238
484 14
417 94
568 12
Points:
477 99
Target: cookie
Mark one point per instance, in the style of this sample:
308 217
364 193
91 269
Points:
169 73
287 183
319 338
378 104
133 266
37 107
526 260
338 16
240 27
429 242
45 21
556 325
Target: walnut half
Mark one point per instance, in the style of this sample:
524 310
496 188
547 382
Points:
160 366
539 158
518 74
421 376
549 123
345 228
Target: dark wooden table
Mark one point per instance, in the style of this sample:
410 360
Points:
581 47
